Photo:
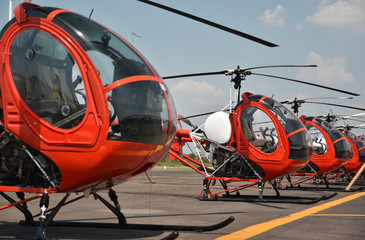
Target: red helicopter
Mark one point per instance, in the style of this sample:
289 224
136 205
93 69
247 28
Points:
358 146
358 159
259 140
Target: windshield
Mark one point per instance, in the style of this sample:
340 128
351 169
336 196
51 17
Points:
319 141
140 110
112 57
263 127
342 146
140 113
360 145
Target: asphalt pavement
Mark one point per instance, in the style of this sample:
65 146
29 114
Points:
171 199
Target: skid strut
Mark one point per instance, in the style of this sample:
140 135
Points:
46 220
226 195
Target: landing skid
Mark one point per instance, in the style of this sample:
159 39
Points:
324 189
145 226
46 220
319 183
227 195
270 199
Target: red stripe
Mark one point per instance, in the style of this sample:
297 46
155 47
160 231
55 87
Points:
338 140
296 131
262 99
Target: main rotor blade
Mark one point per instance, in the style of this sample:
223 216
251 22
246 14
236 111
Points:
198 115
337 105
279 66
236 71
312 84
351 127
304 100
210 23
187 121
328 98
195 74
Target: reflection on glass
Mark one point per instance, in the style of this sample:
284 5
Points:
342 146
319 142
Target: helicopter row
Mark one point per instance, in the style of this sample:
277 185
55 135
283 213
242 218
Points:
329 153
260 140
81 110
337 152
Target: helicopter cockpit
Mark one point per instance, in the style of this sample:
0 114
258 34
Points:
259 129
341 145
50 79
139 109
360 145
319 141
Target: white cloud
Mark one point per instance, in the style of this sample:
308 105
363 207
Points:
197 96
341 13
331 70
273 17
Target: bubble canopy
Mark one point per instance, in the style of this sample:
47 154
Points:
140 111
259 128
141 108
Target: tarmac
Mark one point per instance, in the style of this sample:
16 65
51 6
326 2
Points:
171 199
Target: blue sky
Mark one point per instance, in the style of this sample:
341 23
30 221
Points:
328 33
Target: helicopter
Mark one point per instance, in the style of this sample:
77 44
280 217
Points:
256 141
357 144
357 160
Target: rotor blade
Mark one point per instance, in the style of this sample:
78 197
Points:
279 66
199 115
305 99
349 126
357 115
328 98
187 121
233 71
216 25
195 74
337 105
345 117
312 84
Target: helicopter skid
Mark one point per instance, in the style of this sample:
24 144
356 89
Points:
325 189
319 184
227 195
136 226
47 220
269 199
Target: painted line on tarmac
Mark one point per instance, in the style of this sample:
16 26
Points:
338 215
266 226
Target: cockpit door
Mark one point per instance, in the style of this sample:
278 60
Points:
53 95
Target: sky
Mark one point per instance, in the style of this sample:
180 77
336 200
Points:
328 33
